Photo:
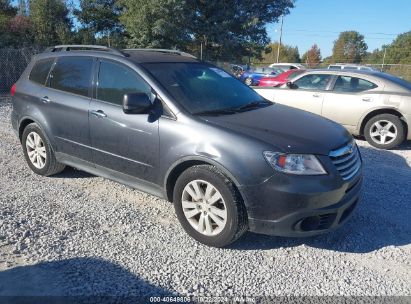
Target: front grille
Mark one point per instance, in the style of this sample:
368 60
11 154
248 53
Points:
347 160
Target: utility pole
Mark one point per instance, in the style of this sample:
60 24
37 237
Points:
281 36
383 59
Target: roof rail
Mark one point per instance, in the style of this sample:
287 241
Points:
81 47
176 52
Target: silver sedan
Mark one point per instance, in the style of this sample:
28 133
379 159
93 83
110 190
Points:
372 104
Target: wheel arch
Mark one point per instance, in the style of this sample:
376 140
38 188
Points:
23 124
181 165
380 111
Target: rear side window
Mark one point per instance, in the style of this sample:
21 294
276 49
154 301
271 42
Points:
352 84
72 74
41 70
115 80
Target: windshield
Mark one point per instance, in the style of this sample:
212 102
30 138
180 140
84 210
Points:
200 87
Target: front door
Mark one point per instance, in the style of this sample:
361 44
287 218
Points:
127 143
307 93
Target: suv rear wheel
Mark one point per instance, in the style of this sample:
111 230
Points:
38 153
385 131
209 207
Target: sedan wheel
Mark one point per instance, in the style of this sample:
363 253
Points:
204 207
383 132
36 150
249 81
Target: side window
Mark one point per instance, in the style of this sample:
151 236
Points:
352 84
72 74
115 80
41 70
313 82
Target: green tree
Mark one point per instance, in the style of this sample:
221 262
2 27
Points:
399 51
350 47
51 22
225 29
101 17
312 57
287 54
7 13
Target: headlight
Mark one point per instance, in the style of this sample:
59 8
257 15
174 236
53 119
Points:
300 164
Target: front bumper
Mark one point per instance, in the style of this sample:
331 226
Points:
297 206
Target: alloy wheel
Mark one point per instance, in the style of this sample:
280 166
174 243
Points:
204 207
36 150
383 132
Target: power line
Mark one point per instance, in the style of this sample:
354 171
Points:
334 32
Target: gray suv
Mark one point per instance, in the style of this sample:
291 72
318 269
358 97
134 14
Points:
165 123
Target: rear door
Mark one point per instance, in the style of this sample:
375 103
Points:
127 143
307 94
66 99
349 99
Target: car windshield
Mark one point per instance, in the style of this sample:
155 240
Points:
201 88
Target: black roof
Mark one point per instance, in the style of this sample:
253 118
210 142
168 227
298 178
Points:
147 56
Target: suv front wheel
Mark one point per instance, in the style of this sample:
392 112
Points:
38 152
209 206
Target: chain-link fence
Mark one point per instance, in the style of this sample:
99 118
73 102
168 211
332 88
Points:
12 64
14 61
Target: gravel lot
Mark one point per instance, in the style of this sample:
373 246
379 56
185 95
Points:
77 234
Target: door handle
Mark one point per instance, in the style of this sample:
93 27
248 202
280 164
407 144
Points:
367 99
316 95
98 113
45 99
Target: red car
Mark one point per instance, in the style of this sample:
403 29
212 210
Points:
279 79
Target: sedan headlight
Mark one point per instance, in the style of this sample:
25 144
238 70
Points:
300 164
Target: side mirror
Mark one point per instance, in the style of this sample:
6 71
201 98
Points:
136 103
290 85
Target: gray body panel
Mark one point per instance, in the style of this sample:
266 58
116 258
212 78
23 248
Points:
143 150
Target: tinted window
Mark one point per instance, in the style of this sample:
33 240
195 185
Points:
41 70
334 67
265 70
72 74
313 82
115 80
200 87
352 84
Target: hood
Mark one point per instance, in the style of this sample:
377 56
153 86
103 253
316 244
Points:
288 129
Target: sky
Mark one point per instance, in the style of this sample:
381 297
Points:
321 21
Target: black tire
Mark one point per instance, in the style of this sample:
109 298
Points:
236 224
51 166
398 126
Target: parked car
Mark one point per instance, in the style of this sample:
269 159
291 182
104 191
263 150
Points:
237 70
339 66
168 124
279 79
252 77
287 66
368 103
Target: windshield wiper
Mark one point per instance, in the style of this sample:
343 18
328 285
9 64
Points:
216 112
255 104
